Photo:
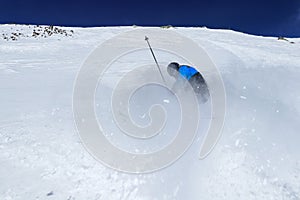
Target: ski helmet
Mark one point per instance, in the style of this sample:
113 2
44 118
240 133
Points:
173 68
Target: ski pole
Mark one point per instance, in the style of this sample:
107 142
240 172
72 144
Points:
147 39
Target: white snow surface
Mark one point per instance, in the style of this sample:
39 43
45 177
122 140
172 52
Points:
42 156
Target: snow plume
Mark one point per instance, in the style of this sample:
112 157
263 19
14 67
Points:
134 79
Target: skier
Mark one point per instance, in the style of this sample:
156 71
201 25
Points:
184 73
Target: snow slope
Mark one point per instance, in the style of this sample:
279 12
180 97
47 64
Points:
41 155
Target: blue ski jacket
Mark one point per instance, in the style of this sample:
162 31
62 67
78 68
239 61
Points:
187 72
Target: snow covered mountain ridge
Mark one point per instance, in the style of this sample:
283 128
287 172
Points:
44 31
16 32
41 154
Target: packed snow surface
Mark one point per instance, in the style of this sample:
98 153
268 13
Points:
42 156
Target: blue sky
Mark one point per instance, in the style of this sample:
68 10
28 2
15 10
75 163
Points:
259 17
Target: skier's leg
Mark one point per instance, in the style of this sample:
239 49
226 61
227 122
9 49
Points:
200 87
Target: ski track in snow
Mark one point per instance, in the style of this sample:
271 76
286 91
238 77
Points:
257 157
